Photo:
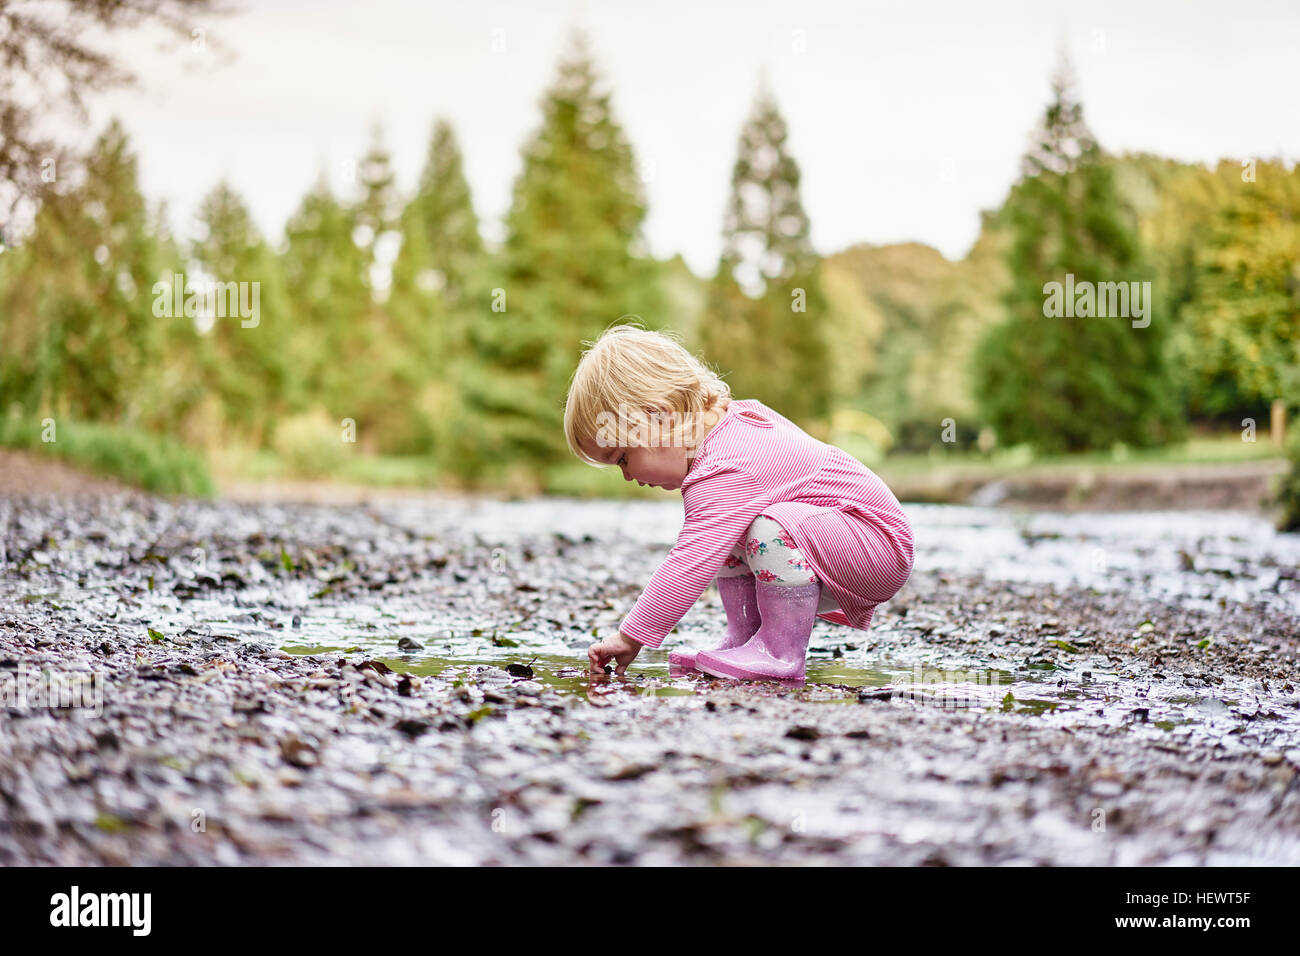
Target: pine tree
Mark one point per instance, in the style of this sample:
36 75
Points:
1072 383
246 362
325 275
438 278
417 349
76 319
376 216
766 307
442 210
574 262
375 398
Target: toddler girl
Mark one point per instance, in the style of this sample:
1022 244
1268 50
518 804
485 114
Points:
790 528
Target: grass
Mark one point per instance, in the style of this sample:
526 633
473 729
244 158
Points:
569 479
151 462
1199 450
578 480
381 471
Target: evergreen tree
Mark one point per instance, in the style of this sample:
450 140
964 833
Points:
1072 383
766 306
246 369
369 380
376 217
325 275
443 213
80 336
415 347
574 262
438 280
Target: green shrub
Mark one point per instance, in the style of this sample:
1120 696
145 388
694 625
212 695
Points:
154 463
311 445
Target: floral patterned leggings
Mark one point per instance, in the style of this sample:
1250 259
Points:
769 554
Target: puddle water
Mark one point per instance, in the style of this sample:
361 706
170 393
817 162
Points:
833 675
1196 557
1074 693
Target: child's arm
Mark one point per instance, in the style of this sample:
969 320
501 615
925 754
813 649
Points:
719 508
620 649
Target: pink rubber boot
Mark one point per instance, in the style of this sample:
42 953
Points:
737 592
778 648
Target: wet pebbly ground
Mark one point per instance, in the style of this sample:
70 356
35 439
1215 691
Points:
187 682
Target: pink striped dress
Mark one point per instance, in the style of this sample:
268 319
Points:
754 461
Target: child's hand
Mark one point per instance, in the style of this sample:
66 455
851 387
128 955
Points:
620 649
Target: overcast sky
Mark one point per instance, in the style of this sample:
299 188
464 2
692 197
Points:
906 117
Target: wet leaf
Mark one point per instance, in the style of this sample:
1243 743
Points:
111 824
407 684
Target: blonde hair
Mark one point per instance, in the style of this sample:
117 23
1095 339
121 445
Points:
632 366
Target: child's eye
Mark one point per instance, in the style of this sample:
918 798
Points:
622 460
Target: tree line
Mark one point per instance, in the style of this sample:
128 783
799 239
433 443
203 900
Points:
386 319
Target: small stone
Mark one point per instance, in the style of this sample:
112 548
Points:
412 727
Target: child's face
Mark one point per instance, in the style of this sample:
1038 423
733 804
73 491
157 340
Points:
664 466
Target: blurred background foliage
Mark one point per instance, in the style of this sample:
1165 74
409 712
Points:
385 317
